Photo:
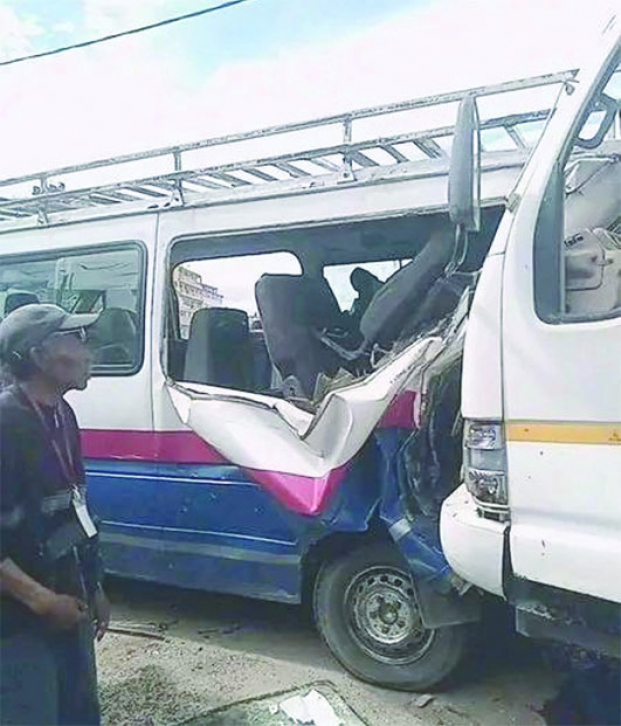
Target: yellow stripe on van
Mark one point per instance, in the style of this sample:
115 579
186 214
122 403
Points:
564 432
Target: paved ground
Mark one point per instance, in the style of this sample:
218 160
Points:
194 653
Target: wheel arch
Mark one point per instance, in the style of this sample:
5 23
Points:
331 547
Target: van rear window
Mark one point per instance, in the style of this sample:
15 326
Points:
107 281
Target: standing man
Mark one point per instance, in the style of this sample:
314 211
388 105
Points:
51 601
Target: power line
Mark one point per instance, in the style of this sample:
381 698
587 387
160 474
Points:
123 33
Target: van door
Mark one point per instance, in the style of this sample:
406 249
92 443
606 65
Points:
562 365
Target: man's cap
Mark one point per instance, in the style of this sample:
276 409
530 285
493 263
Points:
30 325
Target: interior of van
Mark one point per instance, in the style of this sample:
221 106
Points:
309 304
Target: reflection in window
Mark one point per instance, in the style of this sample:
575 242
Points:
227 282
106 282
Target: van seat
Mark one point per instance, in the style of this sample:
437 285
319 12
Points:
114 337
399 298
219 349
293 308
16 300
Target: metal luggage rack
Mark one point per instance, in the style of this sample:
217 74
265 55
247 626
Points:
52 194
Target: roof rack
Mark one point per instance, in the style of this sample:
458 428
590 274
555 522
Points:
60 191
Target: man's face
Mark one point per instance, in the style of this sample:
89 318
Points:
66 361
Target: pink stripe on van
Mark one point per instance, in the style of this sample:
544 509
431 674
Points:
173 447
301 494
400 413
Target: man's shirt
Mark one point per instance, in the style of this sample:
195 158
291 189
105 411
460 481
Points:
39 530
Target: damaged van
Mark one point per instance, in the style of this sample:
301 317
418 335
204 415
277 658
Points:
276 405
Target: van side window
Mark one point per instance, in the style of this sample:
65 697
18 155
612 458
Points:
109 282
220 339
577 255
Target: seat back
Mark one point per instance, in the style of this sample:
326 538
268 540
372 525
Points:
404 291
18 299
292 308
177 349
218 350
261 363
114 337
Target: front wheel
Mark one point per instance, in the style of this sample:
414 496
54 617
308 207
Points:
366 611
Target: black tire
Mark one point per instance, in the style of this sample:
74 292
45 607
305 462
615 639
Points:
388 648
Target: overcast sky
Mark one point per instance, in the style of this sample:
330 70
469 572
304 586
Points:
261 62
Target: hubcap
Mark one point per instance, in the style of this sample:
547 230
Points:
384 617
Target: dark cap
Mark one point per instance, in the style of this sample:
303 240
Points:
29 325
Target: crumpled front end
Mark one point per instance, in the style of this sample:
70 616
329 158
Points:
420 469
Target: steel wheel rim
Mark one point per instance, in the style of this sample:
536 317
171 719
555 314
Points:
383 616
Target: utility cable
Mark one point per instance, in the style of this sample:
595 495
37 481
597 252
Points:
124 33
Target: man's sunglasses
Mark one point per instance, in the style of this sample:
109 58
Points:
79 333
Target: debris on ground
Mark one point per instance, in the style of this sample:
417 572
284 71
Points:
187 678
141 631
313 709
423 700
227 629
316 705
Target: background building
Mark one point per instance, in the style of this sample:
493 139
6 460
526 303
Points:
193 294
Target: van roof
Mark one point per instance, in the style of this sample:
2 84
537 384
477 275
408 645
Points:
405 140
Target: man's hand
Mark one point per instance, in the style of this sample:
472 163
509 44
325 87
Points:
61 611
102 613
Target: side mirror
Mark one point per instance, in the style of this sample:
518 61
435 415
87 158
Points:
464 187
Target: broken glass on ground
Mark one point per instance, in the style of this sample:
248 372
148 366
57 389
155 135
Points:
317 704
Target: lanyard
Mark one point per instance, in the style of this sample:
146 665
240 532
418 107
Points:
64 455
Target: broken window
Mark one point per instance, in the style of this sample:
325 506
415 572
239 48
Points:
220 339
327 303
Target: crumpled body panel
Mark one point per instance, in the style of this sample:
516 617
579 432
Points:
302 464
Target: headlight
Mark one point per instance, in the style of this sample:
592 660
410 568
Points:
481 435
485 470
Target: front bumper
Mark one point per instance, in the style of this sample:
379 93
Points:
473 546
